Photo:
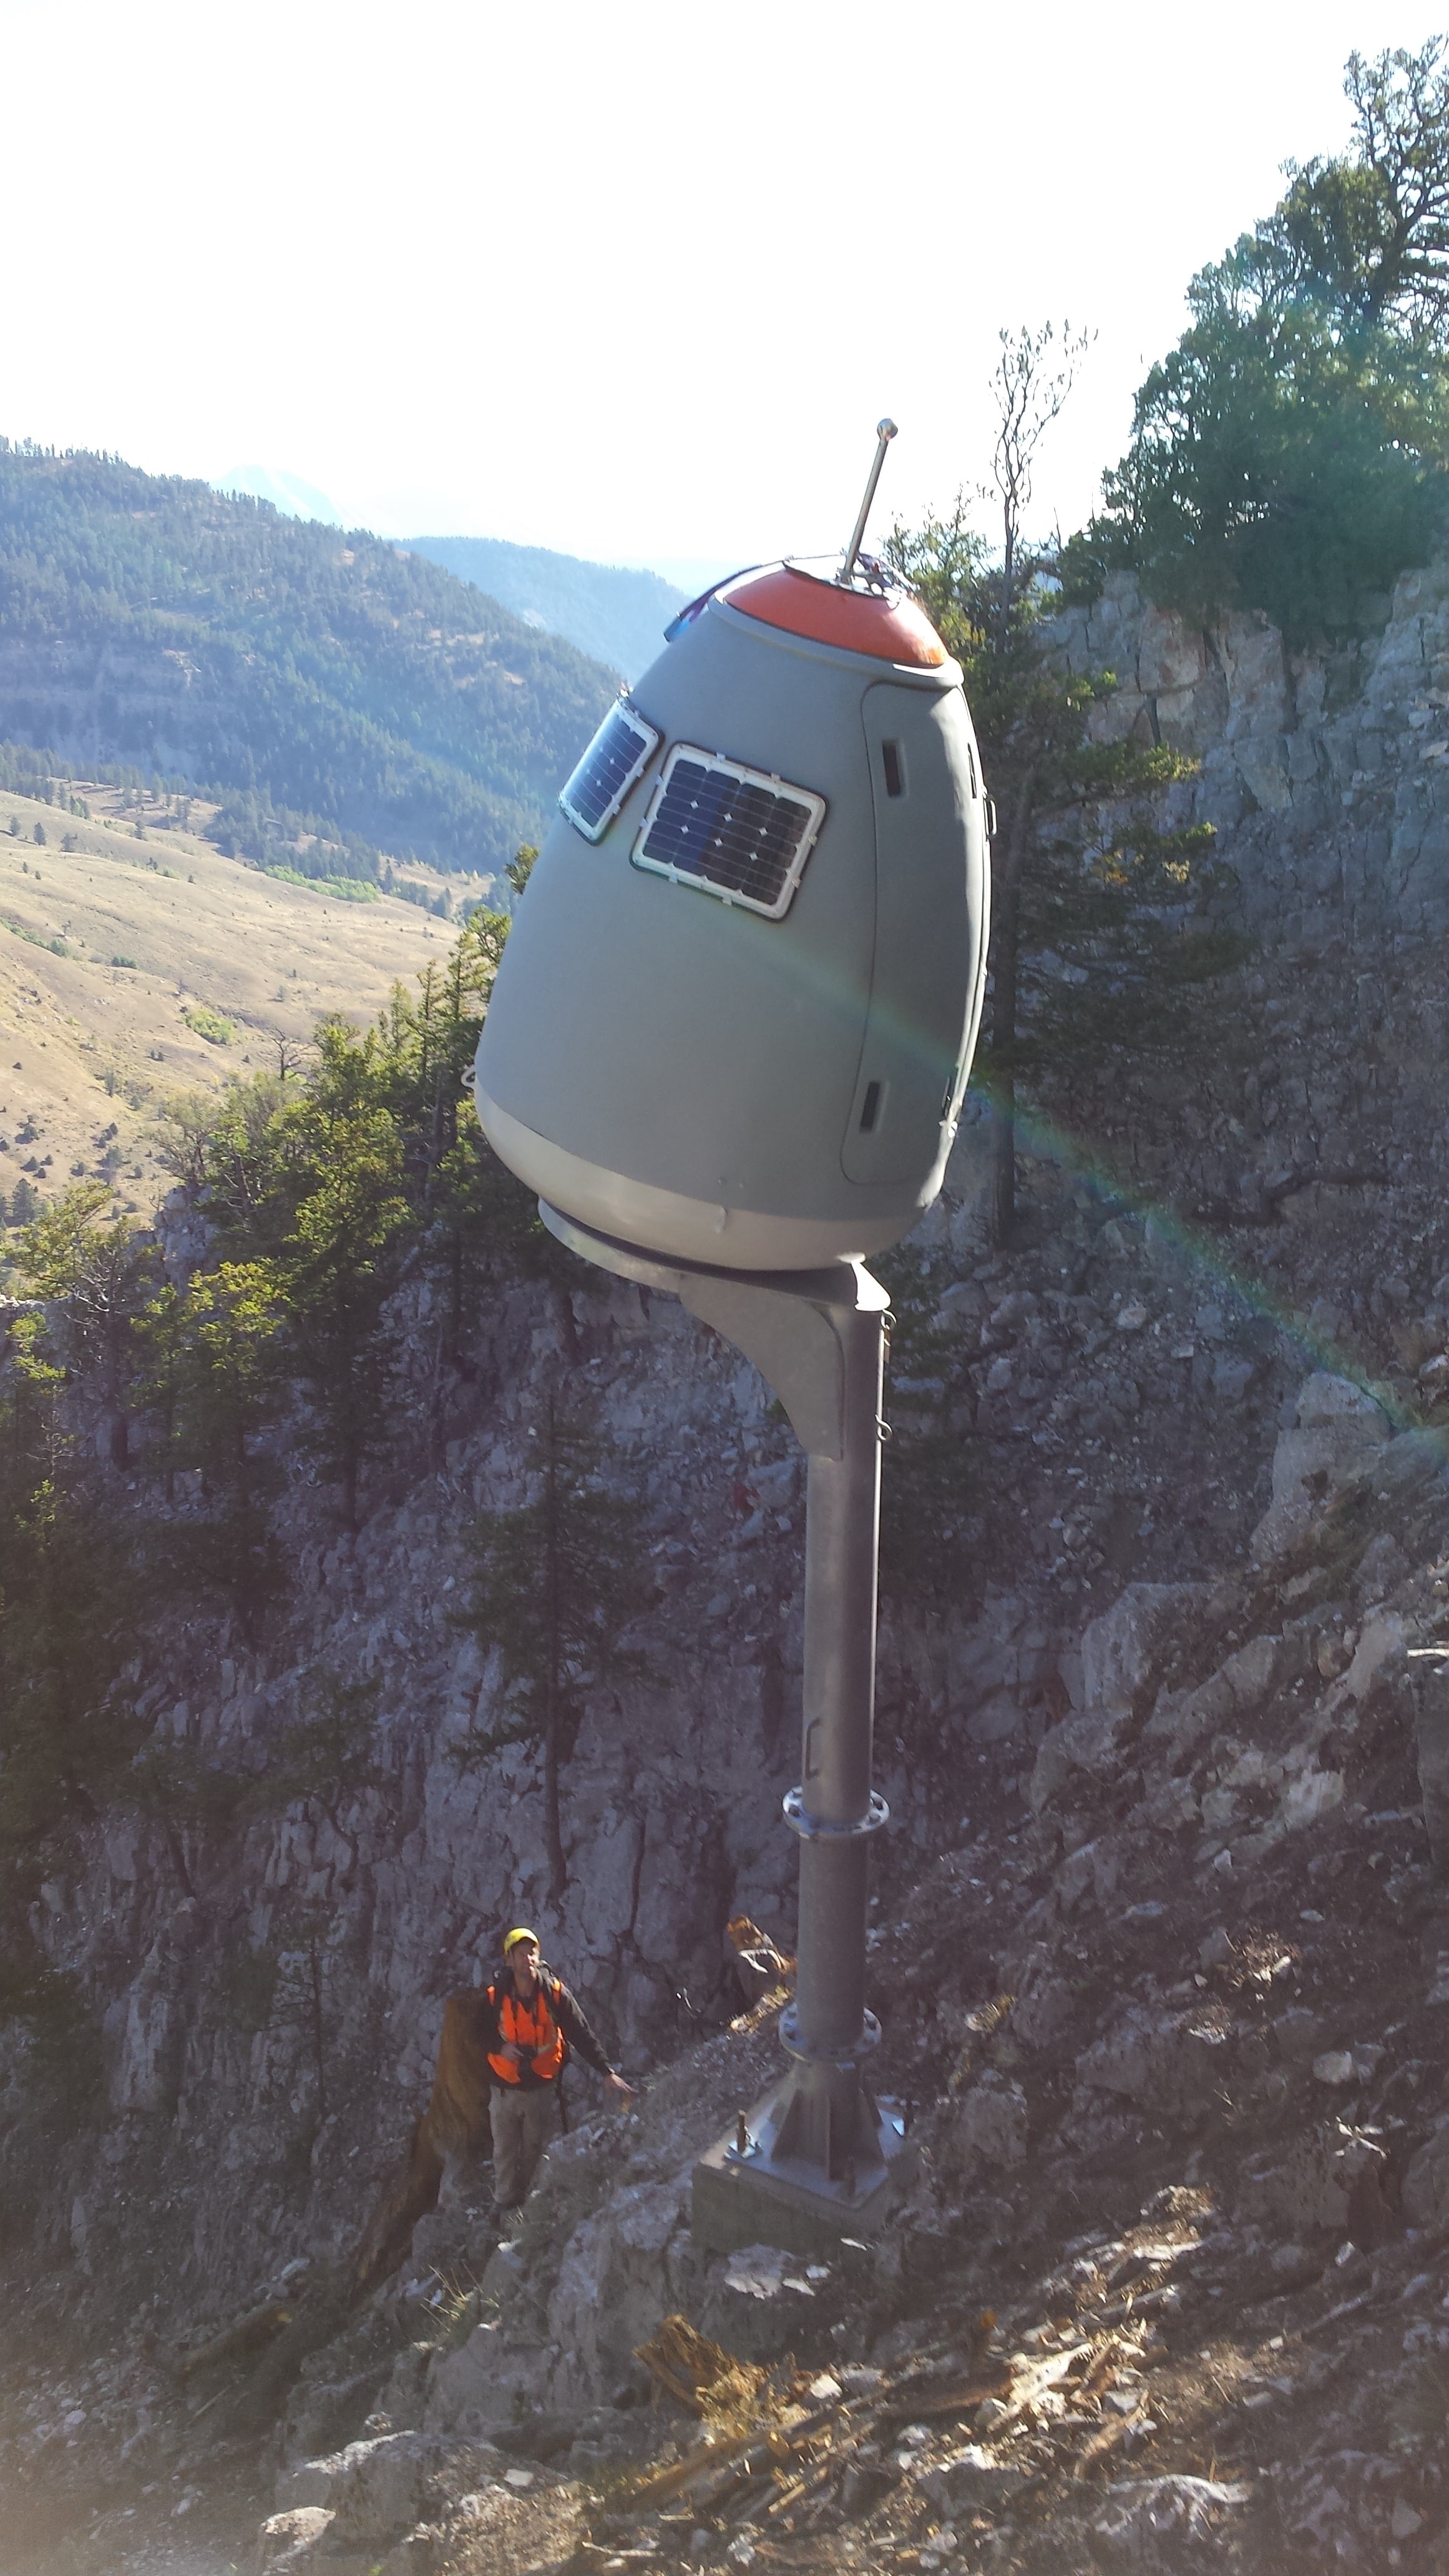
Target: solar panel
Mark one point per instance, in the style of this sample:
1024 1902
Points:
614 759
732 832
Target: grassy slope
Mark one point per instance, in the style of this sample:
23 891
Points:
267 957
150 620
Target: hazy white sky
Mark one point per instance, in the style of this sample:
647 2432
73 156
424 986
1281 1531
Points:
634 282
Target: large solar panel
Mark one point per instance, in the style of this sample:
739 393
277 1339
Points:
597 788
730 831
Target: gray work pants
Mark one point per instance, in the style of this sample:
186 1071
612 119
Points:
523 2121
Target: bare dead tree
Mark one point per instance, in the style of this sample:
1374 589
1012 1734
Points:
1033 377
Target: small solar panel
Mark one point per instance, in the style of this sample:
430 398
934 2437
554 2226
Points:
614 759
732 832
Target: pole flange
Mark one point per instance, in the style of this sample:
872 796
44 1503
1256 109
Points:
795 2046
813 1829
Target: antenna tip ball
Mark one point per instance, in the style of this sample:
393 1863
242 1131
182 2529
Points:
885 429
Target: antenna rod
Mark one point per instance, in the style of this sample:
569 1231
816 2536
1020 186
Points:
885 431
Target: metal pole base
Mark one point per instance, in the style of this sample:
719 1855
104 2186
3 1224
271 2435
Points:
819 2157
760 2196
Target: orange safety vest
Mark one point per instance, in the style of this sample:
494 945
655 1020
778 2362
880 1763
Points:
530 2027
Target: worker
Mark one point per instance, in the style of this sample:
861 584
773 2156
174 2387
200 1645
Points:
530 2022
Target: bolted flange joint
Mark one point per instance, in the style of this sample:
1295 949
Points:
820 1829
809 2054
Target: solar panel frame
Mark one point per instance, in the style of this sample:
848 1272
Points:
764 783
591 820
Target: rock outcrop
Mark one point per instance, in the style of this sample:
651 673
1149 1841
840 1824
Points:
1160 1937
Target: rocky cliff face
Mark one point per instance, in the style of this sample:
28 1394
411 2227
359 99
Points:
1325 772
1156 1752
1168 2289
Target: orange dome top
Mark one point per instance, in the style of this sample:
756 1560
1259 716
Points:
890 627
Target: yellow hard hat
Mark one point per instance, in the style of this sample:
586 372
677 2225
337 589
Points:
520 1932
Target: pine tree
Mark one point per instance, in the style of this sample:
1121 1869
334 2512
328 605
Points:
429 1039
95 1270
556 1585
308 1178
1288 453
216 1380
71 1601
337 1266
327 1756
1096 906
520 868
472 1216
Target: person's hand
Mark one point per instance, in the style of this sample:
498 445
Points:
617 2084
512 2050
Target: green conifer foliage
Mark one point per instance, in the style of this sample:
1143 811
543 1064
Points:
70 1606
216 1383
1099 910
94 1271
557 1584
1289 453
337 1264
339 688
326 1757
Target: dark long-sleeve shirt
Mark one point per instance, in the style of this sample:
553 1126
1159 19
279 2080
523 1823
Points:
567 2012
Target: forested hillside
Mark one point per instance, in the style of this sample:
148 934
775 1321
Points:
613 611
149 620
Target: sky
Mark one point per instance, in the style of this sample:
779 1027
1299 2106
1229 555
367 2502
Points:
633 283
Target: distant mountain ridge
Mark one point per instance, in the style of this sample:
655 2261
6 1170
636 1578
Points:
612 612
147 619
289 495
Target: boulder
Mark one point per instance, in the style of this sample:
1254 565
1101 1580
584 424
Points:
1263 768
488 2380
291 2541
1236 1692
1332 2179
1171 654
1338 1430
1153 2056
1155 2523
1120 1649
372 2491
1080 1745
504 2528
620 2273
972 2477
1119 1653
1299 2034
992 2121
1095 1865
1384 1637
1383 1564
1310 1794
994 1721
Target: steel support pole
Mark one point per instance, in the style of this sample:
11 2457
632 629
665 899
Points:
815 2159
827 2122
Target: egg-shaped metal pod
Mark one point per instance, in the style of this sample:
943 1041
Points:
727 1046
735 1014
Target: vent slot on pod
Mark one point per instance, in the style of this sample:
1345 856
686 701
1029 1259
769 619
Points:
732 832
618 754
